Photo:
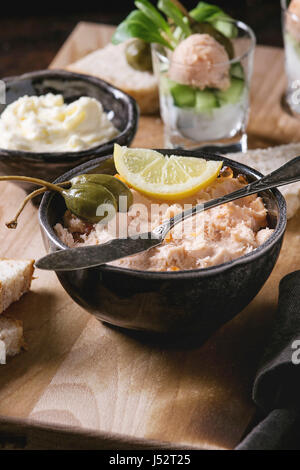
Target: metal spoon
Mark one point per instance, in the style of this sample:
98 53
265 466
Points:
89 256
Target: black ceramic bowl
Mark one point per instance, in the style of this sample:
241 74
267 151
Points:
197 301
121 107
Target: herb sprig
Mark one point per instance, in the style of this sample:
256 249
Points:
149 24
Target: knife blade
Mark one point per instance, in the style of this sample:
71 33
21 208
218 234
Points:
95 255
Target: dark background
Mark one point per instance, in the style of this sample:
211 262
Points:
31 33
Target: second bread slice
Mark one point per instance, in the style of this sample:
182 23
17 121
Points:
11 337
15 280
111 65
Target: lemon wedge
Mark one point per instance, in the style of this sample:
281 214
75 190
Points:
164 177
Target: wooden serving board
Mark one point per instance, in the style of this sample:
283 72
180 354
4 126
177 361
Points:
81 384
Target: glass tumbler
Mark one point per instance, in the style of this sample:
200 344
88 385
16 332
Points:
207 118
291 37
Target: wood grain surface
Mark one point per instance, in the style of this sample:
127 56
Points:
81 378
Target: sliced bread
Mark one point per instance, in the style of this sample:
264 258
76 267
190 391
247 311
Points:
268 160
11 337
110 64
15 280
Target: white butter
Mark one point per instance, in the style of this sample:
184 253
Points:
46 124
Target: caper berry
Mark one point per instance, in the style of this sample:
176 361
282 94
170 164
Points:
114 185
83 195
83 200
138 55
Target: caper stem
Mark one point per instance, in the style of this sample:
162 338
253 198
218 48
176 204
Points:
28 179
14 222
64 183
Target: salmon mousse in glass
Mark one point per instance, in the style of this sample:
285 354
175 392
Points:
204 95
203 62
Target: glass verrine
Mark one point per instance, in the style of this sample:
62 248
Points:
291 37
207 117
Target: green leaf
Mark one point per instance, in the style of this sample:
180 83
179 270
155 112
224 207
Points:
122 32
204 10
171 11
153 14
138 25
222 23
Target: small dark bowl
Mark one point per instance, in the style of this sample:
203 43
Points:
197 301
48 166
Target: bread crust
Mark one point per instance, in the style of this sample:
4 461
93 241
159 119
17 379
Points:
109 64
12 291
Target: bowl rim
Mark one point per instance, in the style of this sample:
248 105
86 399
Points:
57 157
183 274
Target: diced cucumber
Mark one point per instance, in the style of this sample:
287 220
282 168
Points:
184 96
226 27
237 71
205 101
234 92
